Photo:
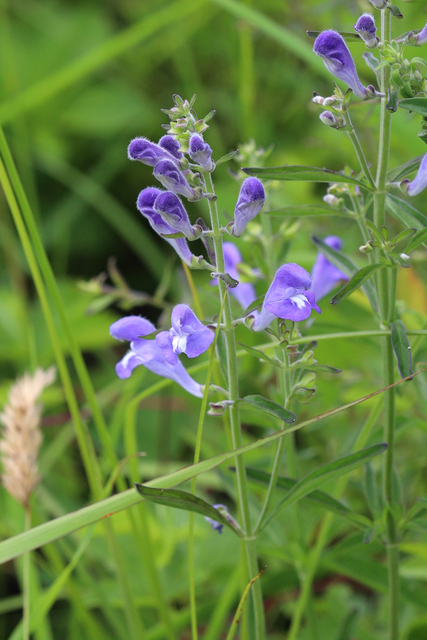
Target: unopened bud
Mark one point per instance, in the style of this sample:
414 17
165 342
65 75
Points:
366 248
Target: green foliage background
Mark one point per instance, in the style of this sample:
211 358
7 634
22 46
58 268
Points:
79 80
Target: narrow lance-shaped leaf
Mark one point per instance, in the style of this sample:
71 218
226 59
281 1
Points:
185 501
302 173
419 238
401 348
346 265
419 105
356 282
328 472
270 407
406 213
227 157
319 498
307 210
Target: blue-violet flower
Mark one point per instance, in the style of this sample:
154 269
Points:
187 335
148 354
419 183
145 204
147 152
170 207
365 27
325 275
216 526
249 203
172 179
200 152
244 293
331 47
172 145
288 297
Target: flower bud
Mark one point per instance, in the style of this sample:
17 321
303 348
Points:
147 152
367 30
172 179
331 120
331 47
170 207
171 144
200 152
249 203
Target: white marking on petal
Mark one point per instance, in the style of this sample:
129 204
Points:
300 300
179 344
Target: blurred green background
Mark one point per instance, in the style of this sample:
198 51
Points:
80 79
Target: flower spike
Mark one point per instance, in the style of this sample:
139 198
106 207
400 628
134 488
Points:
331 47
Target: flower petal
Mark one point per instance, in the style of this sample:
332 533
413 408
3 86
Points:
131 327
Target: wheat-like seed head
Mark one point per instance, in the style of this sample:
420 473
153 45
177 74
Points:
21 437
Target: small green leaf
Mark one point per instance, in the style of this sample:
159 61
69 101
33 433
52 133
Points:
270 407
227 157
395 11
307 210
259 355
183 500
254 305
419 105
406 213
302 173
324 368
401 348
346 265
356 282
419 238
173 236
347 35
319 498
328 472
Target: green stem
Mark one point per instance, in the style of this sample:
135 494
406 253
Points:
359 153
385 286
236 436
26 581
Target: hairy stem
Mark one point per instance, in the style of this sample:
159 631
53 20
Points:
233 389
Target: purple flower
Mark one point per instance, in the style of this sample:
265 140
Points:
201 153
149 354
288 297
325 275
170 207
147 152
145 204
330 46
172 179
187 335
249 203
367 30
216 526
245 291
421 37
171 144
419 183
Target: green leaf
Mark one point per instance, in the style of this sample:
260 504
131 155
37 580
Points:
185 501
319 498
324 368
227 157
302 173
400 172
308 210
254 305
419 105
346 265
406 213
347 35
256 353
330 471
356 282
173 236
419 238
401 348
270 407
395 11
